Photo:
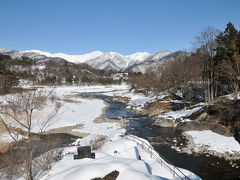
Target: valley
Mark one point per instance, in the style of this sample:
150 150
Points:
114 90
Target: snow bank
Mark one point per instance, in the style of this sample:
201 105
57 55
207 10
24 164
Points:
84 111
214 141
183 112
137 99
72 113
108 89
118 153
98 128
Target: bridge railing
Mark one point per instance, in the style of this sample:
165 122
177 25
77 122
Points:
163 161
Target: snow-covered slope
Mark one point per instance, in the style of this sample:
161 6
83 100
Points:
157 56
111 61
155 61
71 58
137 58
4 50
97 59
14 54
115 61
40 58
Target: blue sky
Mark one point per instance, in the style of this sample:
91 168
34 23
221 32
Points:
124 26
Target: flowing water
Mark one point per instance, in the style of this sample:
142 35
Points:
206 166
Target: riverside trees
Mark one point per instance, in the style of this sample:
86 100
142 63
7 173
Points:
227 59
205 43
7 78
214 66
19 116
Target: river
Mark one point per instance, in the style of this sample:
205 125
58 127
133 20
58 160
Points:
208 167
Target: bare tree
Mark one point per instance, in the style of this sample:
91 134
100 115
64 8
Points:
18 115
19 111
206 43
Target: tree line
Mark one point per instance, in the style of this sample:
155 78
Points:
7 78
53 73
212 67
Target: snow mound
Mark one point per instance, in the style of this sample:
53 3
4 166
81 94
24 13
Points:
118 153
214 141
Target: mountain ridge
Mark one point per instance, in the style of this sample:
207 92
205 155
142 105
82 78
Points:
106 61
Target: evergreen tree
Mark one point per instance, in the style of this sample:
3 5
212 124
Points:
227 59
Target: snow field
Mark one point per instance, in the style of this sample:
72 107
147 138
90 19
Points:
75 110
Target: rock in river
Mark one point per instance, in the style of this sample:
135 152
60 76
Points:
165 122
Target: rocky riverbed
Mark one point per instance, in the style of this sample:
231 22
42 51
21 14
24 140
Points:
174 115
225 150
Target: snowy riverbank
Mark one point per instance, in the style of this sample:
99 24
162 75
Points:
119 154
204 141
165 111
209 142
77 114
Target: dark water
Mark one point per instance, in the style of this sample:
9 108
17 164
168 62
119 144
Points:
209 168
41 144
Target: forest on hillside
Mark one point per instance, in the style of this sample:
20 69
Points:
212 68
210 74
12 71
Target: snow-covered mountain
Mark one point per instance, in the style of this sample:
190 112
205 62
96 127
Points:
157 56
20 54
109 61
155 61
97 59
137 58
71 58
39 58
